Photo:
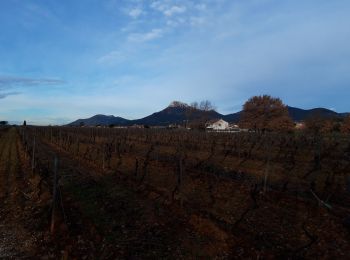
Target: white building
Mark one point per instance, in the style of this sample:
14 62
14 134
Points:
218 125
299 125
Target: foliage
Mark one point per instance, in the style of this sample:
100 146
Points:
265 113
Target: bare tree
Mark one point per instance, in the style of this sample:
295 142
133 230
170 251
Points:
194 105
206 105
199 113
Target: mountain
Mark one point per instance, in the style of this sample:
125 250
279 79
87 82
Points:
178 112
232 118
298 114
100 120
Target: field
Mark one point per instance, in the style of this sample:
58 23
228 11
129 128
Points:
103 193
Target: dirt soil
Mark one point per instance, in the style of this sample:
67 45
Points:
20 234
115 218
100 216
106 214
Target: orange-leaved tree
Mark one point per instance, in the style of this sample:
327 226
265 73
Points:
262 113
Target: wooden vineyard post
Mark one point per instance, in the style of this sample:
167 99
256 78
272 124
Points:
33 155
54 197
25 144
266 175
180 178
268 165
103 158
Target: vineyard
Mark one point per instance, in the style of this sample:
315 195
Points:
154 193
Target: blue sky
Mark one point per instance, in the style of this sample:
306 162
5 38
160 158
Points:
66 59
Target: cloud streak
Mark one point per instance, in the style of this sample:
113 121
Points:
147 36
168 8
135 12
113 56
4 95
7 82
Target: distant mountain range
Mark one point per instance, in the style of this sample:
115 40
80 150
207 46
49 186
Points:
178 113
101 120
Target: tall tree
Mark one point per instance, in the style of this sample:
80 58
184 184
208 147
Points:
265 113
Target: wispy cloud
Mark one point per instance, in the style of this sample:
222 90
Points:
168 8
135 12
174 10
197 21
113 56
15 83
6 81
147 36
4 95
201 7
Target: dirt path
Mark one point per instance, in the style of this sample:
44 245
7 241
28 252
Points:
16 241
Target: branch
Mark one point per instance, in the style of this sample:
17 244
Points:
328 206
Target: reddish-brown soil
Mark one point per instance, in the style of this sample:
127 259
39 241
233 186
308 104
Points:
157 196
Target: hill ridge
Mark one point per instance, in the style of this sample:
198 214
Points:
178 113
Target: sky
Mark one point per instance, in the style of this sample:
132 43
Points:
61 60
